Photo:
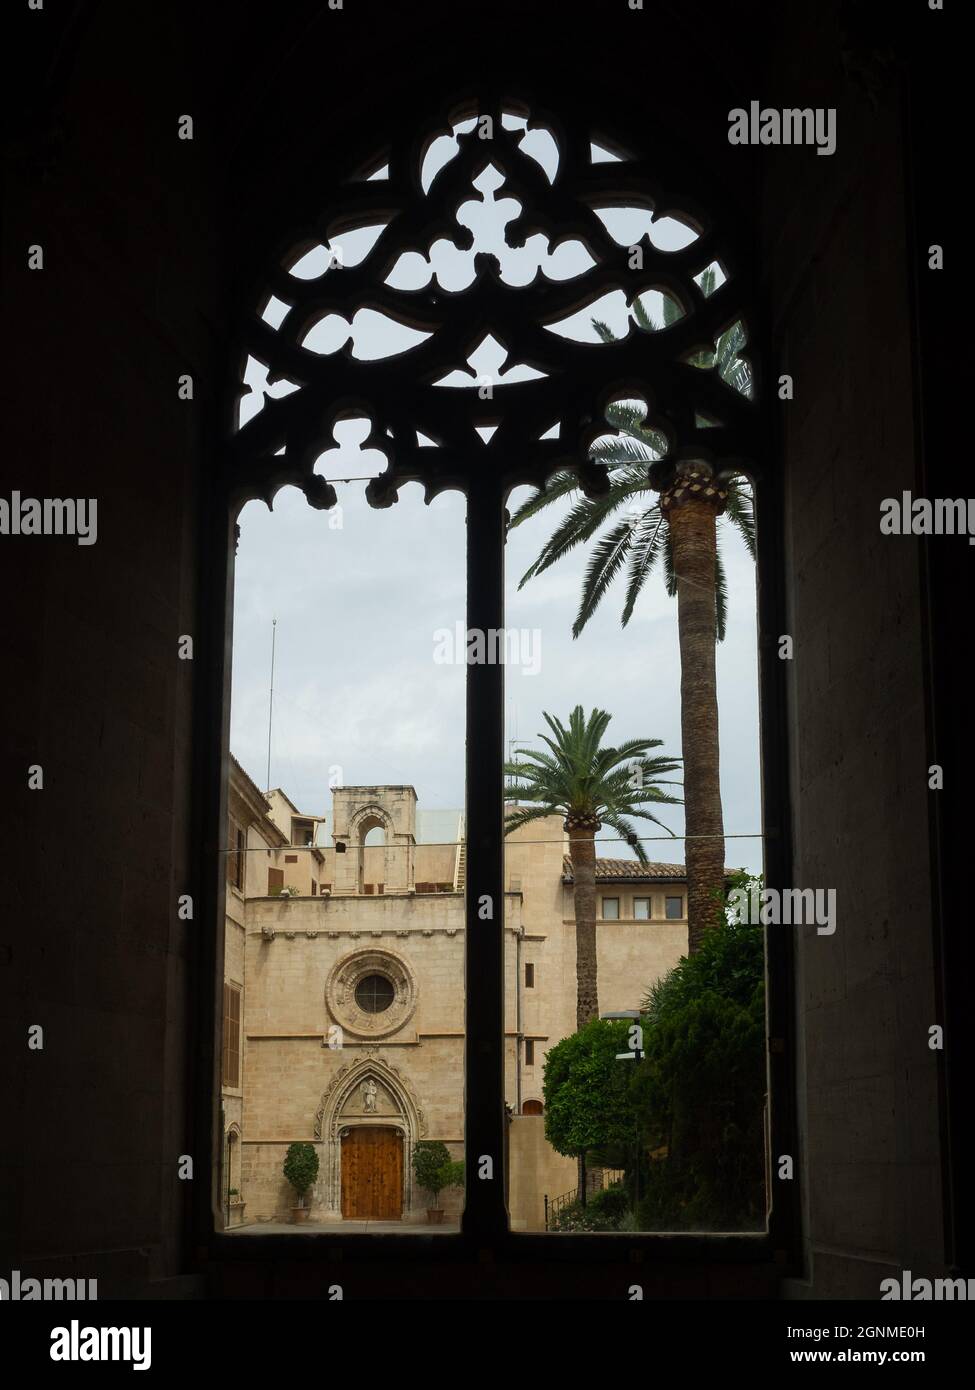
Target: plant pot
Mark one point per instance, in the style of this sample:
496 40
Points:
435 1216
300 1213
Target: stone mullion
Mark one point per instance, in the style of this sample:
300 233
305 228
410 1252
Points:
485 1209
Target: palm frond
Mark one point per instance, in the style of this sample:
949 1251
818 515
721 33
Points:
720 597
652 536
670 574
643 319
740 511
624 449
607 558
558 486
581 522
673 310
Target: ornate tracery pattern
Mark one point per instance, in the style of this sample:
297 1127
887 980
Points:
520 430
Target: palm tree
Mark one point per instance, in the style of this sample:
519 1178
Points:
588 784
680 526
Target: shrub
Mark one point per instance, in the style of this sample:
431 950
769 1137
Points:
435 1169
576 1217
301 1168
611 1204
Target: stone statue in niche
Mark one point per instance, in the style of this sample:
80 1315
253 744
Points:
369 1096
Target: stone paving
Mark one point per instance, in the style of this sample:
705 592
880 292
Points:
369 1228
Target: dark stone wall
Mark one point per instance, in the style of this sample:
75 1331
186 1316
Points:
837 262
90 944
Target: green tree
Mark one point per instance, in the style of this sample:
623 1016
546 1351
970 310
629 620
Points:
588 1106
301 1168
588 784
702 1083
434 1169
678 525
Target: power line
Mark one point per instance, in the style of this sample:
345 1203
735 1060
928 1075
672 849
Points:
447 844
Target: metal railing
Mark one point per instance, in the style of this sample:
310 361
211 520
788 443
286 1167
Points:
597 1180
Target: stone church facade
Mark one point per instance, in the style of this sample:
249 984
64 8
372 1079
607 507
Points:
343 996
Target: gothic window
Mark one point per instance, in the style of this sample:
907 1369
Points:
494 299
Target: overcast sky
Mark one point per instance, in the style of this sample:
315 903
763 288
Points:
359 595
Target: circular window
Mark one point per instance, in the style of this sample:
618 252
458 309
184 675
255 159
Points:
374 994
371 993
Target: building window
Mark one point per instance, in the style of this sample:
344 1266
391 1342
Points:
374 994
314 887
529 1052
611 909
675 908
302 832
641 909
275 881
233 1167
231 1035
235 856
529 975
291 858
371 993
532 1107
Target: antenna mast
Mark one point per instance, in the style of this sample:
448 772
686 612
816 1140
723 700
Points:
270 702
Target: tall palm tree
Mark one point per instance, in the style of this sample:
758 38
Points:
680 526
588 784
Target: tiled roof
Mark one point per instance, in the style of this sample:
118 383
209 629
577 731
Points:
631 869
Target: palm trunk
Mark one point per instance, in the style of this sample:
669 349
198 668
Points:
582 852
693 536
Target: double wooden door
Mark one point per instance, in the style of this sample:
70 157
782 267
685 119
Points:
372 1174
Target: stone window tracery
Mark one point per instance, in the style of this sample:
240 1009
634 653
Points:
457 298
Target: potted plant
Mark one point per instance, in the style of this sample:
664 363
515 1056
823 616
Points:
301 1170
435 1170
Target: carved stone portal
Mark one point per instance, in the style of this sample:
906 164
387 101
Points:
366 1092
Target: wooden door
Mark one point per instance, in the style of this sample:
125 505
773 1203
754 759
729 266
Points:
372 1174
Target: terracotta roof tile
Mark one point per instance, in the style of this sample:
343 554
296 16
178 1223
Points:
629 869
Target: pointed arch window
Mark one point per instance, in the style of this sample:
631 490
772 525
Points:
469 357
